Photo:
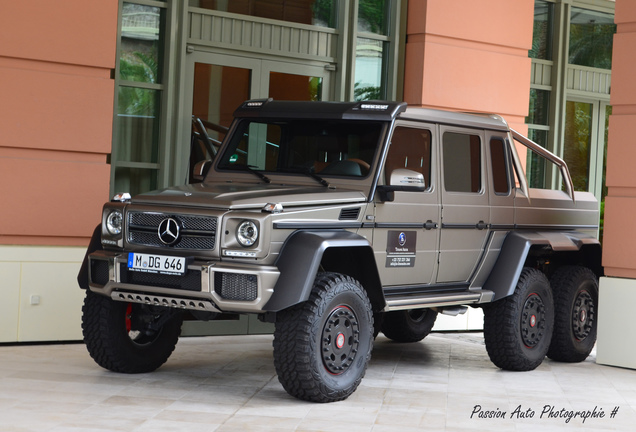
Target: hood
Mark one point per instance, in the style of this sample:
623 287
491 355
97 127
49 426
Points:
237 196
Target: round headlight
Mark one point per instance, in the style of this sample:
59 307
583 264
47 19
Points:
114 222
247 233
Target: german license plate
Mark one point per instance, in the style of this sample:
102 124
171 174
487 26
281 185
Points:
156 264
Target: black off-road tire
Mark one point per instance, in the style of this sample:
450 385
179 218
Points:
575 320
322 346
408 325
518 328
115 346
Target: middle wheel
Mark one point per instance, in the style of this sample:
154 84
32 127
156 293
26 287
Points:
322 346
518 328
408 325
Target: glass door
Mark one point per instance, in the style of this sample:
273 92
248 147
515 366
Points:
584 143
217 84
292 81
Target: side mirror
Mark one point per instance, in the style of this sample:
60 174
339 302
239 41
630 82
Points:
401 179
201 169
407 177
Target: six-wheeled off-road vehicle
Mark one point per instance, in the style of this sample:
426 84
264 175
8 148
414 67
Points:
336 221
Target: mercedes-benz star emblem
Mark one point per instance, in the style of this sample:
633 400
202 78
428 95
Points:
169 231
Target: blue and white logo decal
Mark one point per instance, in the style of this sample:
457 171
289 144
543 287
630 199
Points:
402 239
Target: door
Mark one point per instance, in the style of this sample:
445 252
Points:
465 207
406 230
219 83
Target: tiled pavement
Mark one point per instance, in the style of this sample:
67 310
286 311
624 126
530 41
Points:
228 384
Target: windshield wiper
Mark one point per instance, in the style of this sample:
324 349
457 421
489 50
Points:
311 174
250 168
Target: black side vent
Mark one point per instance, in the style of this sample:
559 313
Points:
349 213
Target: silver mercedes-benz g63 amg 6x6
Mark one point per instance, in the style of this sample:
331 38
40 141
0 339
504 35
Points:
339 220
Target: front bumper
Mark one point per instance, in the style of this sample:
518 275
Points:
210 286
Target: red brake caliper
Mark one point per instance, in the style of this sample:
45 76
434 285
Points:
128 314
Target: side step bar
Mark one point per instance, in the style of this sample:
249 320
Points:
394 303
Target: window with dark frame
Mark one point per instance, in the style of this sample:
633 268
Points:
500 177
462 162
410 149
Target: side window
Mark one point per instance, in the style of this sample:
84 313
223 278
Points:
462 162
410 149
499 166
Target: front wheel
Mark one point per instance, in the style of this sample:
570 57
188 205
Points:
322 346
518 328
128 337
575 321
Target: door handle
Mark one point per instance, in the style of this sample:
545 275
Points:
429 225
481 225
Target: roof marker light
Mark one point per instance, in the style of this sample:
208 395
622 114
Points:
374 106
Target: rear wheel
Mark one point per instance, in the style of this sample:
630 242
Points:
128 337
518 328
409 325
322 346
575 302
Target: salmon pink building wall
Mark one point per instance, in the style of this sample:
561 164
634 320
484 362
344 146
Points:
56 117
620 204
617 295
56 113
472 56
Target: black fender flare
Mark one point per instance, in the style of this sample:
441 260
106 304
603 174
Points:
94 245
302 255
517 245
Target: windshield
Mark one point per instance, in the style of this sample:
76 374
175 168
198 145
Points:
314 147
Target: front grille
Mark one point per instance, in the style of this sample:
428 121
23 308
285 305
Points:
196 232
99 272
236 286
200 223
190 281
186 242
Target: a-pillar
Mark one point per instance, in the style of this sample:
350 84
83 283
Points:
617 298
